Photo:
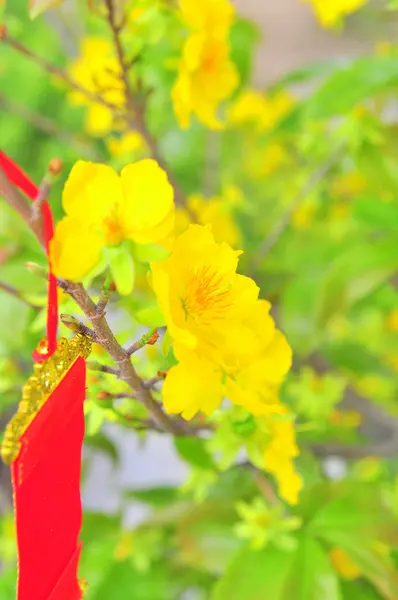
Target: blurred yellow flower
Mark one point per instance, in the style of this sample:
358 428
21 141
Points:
97 71
279 454
206 77
392 321
304 215
255 107
104 208
214 211
330 12
128 143
348 184
344 564
214 17
265 161
347 418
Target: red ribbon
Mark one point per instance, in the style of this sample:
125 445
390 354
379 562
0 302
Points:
16 176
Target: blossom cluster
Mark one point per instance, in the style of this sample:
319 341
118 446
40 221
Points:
206 75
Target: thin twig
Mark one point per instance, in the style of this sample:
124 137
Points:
280 226
136 110
127 372
9 289
53 70
51 128
94 366
386 448
150 338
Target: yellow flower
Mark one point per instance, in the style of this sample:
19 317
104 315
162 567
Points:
344 564
329 12
214 211
97 71
224 338
202 297
214 17
392 321
349 184
198 384
255 107
304 215
104 208
266 161
206 77
279 454
129 143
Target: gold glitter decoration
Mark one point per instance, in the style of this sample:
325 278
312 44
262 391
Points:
46 376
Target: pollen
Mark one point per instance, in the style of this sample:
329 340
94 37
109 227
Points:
208 295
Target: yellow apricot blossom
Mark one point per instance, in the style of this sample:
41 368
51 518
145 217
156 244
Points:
212 16
262 110
224 337
206 77
103 209
97 71
199 384
207 305
330 12
344 564
214 211
128 143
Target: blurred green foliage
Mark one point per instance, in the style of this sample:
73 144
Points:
324 175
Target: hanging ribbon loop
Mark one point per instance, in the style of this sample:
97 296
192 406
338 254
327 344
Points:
18 178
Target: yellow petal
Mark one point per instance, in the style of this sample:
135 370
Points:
192 386
99 119
148 207
92 193
75 249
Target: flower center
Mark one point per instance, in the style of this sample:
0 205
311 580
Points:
207 297
114 233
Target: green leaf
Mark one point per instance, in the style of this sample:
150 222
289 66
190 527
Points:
193 450
122 268
351 356
205 536
167 343
151 316
150 253
255 575
349 85
157 496
353 276
376 214
312 576
124 582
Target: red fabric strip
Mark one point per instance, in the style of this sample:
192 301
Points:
46 479
15 174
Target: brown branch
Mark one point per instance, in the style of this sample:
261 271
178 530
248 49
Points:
136 110
94 366
127 372
386 448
